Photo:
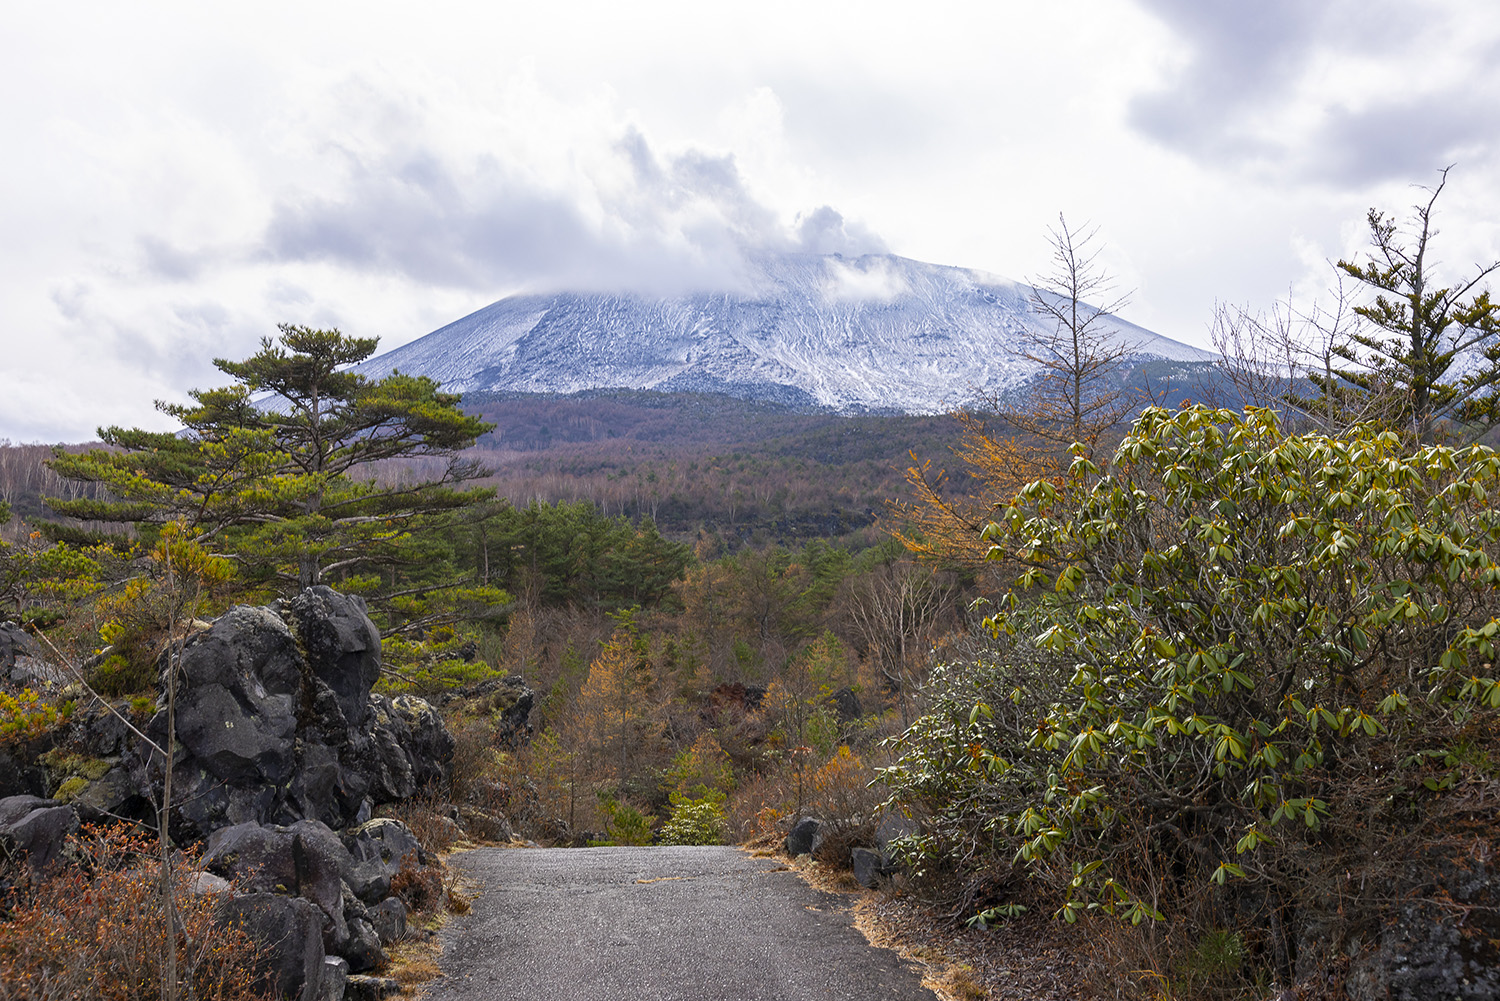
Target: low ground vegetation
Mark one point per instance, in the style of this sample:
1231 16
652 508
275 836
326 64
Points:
95 928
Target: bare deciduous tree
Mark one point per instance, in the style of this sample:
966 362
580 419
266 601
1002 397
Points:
1288 359
898 612
1078 396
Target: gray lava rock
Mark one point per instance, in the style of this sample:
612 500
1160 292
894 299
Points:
206 884
379 848
238 696
342 644
304 860
892 826
1441 942
388 918
277 723
513 700
484 825
367 988
21 661
361 946
415 747
291 935
846 704
37 827
869 866
334 979
805 837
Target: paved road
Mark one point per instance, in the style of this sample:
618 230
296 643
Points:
656 924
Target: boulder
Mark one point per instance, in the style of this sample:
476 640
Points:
304 860
513 701
361 946
334 980
846 704
414 748
891 826
869 866
388 918
290 932
21 661
805 837
37 827
378 850
206 884
484 825
368 988
239 688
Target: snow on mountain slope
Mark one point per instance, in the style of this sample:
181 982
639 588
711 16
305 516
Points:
876 332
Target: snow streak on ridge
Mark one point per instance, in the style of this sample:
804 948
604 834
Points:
877 332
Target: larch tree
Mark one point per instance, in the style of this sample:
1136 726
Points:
1077 398
617 709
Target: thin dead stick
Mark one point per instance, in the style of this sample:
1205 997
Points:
168 893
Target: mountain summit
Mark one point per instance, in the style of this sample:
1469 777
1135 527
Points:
876 332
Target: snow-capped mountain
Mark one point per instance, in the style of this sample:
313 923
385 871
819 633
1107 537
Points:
876 332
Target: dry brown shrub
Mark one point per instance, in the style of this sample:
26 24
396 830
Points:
428 818
419 887
95 931
477 765
759 806
842 796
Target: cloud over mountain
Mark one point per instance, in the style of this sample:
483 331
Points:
637 219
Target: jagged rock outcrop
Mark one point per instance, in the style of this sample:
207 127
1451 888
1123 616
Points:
1440 938
378 850
277 724
280 745
509 700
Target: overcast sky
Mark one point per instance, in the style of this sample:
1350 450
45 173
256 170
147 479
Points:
179 179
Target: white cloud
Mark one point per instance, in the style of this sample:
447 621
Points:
181 178
870 280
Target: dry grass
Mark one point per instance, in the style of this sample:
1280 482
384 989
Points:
1032 960
416 960
413 962
942 975
95 931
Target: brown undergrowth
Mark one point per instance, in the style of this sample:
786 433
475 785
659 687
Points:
94 930
1029 959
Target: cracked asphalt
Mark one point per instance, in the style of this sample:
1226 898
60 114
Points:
656 924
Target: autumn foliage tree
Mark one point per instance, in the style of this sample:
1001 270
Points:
1076 400
618 710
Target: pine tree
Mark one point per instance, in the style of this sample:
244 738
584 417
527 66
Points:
283 469
1434 349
